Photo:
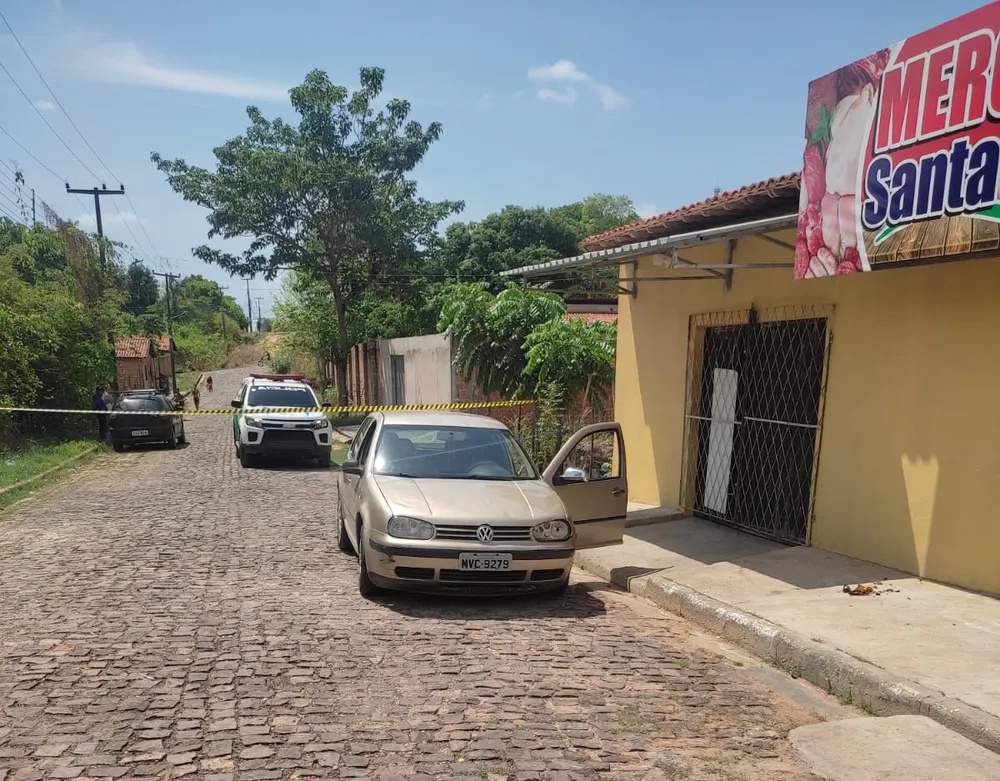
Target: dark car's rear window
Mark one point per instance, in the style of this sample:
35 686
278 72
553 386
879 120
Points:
147 404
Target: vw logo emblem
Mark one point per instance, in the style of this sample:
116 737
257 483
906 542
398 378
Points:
484 534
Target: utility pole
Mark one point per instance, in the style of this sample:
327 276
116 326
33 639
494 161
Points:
225 339
34 221
170 326
259 299
97 193
249 308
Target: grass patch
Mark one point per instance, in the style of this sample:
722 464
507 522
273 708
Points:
31 461
338 452
186 380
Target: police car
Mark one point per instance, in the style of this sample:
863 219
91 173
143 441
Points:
306 434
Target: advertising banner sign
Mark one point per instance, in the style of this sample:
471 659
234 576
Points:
902 154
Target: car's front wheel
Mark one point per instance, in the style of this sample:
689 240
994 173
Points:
366 587
246 460
343 541
118 447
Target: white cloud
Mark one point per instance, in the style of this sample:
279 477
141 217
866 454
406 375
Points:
44 105
566 95
89 221
486 101
647 210
121 62
567 72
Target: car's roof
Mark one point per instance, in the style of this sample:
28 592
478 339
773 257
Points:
279 384
441 418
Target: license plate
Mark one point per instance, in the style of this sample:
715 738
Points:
483 562
140 433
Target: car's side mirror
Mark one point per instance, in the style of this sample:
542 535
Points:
352 467
236 404
568 478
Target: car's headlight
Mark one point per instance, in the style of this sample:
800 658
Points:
552 531
410 528
252 420
321 423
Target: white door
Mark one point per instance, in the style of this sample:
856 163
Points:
721 435
589 475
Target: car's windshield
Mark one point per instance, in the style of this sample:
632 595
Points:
281 397
141 404
452 452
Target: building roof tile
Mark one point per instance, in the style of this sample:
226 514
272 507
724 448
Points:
775 194
133 347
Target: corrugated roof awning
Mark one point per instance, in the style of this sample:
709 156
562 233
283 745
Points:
616 255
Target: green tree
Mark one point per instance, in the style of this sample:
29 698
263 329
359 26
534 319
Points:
490 333
58 308
520 341
329 196
512 237
201 302
597 214
517 236
576 355
143 289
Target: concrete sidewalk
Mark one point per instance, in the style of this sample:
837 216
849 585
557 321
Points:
910 647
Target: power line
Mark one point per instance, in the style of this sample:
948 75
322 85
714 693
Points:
29 154
53 95
47 123
86 141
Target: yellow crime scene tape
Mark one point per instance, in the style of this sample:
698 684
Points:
458 405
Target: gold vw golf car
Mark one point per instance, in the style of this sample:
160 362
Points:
451 502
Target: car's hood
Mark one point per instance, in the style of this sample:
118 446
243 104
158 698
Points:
512 502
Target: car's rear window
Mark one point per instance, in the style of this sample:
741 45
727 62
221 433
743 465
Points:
281 397
147 404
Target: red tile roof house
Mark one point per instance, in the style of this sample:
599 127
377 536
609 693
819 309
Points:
166 348
136 363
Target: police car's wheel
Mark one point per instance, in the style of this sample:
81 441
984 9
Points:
343 541
246 460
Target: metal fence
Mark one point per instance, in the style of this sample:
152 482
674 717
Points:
756 384
542 431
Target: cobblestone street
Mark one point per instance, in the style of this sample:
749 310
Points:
167 614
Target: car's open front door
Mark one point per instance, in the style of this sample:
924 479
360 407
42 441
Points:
589 475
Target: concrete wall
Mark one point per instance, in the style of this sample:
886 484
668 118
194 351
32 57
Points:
909 458
428 373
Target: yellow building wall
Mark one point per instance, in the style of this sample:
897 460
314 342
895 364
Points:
909 464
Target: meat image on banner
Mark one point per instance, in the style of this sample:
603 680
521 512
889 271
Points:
902 154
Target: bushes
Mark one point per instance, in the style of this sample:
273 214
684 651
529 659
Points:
198 350
57 314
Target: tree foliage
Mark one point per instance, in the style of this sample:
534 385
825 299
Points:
59 306
576 355
143 290
520 340
329 196
490 332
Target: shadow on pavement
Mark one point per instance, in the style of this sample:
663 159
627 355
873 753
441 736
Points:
283 464
576 602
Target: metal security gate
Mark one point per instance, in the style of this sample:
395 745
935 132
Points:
755 397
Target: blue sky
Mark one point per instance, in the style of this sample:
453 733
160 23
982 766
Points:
543 102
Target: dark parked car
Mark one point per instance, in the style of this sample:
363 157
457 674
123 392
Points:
139 429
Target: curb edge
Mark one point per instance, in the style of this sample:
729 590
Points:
49 471
858 682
